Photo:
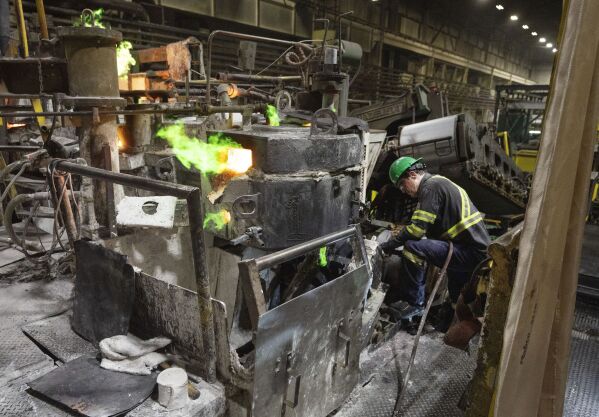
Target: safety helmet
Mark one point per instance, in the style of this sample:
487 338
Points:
400 166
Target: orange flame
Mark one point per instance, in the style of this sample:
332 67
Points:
15 125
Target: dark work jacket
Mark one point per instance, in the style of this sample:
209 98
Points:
444 212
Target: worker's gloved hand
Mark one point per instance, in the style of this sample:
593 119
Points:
388 247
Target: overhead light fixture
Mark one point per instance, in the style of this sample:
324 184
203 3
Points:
534 33
549 45
514 17
542 40
525 27
499 7
554 50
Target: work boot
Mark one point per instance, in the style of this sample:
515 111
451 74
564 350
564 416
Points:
444 318
403 310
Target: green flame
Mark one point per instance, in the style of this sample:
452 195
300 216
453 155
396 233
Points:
217 221
91 20
322 257
272 115
208 157
124 59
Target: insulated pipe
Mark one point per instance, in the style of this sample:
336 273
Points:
195 212
4 26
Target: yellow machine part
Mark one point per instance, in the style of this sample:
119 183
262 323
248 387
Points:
505 142
526 159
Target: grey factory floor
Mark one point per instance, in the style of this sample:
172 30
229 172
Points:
439 376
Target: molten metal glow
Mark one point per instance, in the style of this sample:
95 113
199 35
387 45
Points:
15 125
217 221
211 157
239 160
272 115
232 91
124 59
121 138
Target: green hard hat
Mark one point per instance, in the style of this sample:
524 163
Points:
400 166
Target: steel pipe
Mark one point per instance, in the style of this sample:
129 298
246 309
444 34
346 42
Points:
303 248
195 212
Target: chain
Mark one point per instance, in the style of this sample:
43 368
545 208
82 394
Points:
39 74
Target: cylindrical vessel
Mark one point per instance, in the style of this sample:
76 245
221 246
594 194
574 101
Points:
91 58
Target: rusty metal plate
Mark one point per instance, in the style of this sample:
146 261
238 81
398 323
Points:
307 350
85 387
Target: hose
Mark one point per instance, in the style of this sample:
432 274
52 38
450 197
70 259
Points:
10 208
402 388
22 165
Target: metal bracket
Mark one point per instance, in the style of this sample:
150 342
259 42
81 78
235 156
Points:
343 346
251 209
315 131
293 387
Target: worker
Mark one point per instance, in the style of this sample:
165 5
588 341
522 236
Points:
444 213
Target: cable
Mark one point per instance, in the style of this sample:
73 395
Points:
12 182
402 388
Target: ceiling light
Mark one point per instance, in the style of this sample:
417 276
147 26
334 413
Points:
499 7
525 27
534 33
549 45
542 40
554 50
513 17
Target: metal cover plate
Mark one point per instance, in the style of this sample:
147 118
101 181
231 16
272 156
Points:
93 391
307 350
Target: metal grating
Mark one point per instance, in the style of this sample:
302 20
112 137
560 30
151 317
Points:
15 401
432 391
582 398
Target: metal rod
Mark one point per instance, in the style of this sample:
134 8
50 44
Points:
41 13
242 36
101 112
22 29
303 248
66 208
224 76
193 110
195 213
19 148
110 193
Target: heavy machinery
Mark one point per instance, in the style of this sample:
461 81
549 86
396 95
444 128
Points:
208 226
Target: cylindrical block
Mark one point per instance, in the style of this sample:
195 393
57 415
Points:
172 388
91 60
139 130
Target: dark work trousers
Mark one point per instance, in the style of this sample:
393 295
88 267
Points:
417 252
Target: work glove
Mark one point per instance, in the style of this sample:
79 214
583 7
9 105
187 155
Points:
388 247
